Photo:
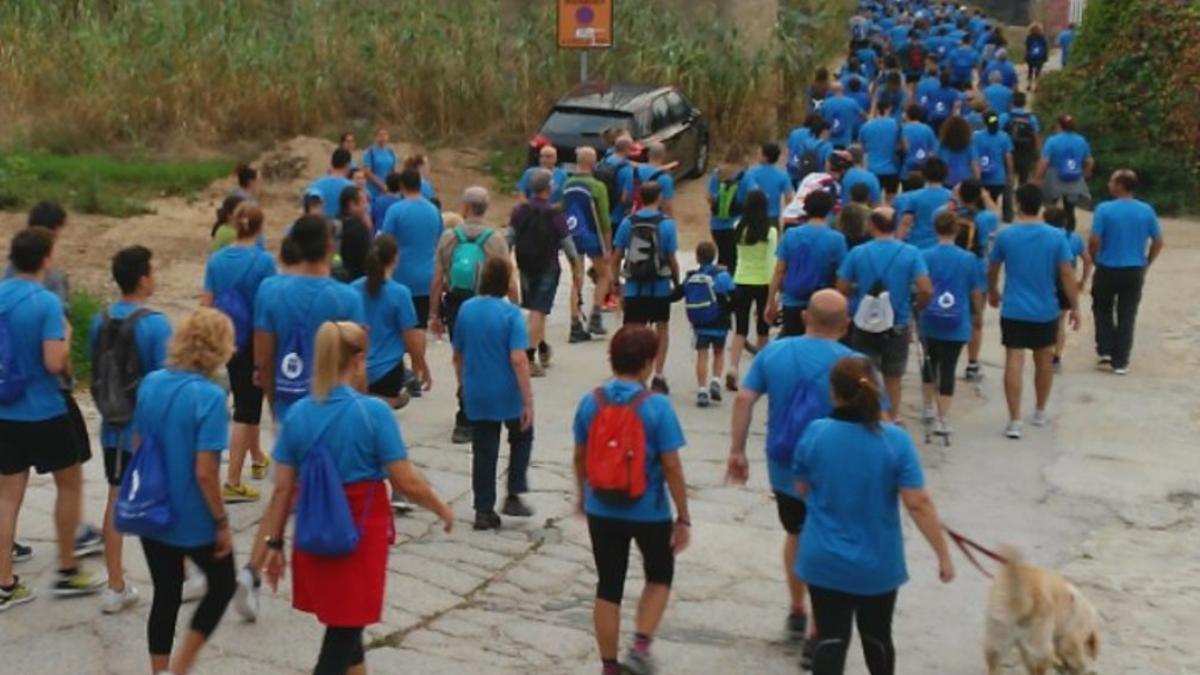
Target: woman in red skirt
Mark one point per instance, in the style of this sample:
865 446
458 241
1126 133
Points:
361 437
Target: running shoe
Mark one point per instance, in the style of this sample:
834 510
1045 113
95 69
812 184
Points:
486 520
1039 418
245 598
797 626
259 471
702 399
21 552
88 541
973 373
114 602
578 333
513 506
536 369
462 434
194 587
414 386
1121 371
1104 361
639 663
236 494
79 582
545 355
731 382
659 385
17 594
928 414
400 503
940 428
596 325
714 390
1013 431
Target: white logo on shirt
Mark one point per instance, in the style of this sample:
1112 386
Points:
292 366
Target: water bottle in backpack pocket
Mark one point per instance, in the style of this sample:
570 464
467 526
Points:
143 506
118 367
701 300
615 464
13 382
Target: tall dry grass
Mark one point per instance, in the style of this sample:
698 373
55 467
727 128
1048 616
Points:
78 74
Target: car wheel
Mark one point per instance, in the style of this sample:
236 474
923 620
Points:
701 160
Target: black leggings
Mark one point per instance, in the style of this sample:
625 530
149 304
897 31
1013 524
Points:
341 650
610 549
726 241
835 612
166 572
743 297
941 361
1035 71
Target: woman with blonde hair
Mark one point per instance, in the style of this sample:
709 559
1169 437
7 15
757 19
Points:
356 439
184 411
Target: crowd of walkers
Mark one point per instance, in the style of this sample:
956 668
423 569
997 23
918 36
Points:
917 191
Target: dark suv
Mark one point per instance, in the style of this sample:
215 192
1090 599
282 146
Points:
650 113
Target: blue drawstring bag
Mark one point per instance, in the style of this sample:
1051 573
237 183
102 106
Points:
324 525
143 505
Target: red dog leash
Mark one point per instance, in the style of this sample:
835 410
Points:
966 545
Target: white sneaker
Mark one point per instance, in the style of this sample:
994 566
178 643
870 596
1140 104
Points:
1121 371
1039 418
940 428
702 398
245 598
112 602
194 587
1013 431
927 413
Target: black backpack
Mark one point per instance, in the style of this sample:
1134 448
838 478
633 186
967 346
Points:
117 368
610 175
968 235
1024 137
643 259
536 239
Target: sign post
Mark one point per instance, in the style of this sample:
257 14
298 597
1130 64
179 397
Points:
584 25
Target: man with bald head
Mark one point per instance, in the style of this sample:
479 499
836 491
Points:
657 171
586 205
793 372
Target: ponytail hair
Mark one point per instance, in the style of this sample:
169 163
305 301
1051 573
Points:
336 344
381 256
247 220
856 386
225 212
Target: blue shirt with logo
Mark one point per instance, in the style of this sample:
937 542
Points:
777 371
852 539
359 430
152 336
897 264
992 150
668 242
881 139
188 415
956 272
486 332
1031 254
1124 227
922 204
843 115
35 315
921 144
663 435
416 225
389 314
1067 153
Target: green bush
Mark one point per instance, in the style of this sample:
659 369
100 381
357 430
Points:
84 307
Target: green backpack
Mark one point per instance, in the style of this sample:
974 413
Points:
725 206
466 261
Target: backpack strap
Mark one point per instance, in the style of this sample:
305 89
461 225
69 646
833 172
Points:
461 234
23 298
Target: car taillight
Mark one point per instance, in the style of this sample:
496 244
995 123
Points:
538 142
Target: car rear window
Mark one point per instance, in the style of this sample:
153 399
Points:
584 123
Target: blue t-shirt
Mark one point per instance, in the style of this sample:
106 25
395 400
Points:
963 60
1124 227
922 204
668 242
558 176
921 144
926 87
486 332
827 247
647 173
35 315
379 208
957 272
330 188
416 224
801 142
189 415
1031 254
958 163
843 114
1067 153
360 432
722 285
290 302
940 105
854 176
777 371
1075 243
992 150
152 335
243 267
715 223
427 190
897 264
880 139
663 435
389 315
999 98
624 183
381 162
773 181
898 100
1065 40
1008 73
852 539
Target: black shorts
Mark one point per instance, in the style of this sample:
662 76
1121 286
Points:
705 342
887 350
46 445
793 322
791 512
421 304
610 549
890 183
647 310
1033 335
391 384
115 463
247 398
79 430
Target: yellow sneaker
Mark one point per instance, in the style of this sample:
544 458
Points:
259 471
233 494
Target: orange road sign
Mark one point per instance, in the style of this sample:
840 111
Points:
585 24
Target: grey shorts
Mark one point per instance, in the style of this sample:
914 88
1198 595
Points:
888 350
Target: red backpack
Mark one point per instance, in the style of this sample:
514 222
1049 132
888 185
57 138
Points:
616 450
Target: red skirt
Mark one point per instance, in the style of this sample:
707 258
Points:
348 591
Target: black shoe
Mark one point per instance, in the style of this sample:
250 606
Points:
462 434
21 552
486 520
797 626
596 325
659 384
513 506
806 654
579 334
414 388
